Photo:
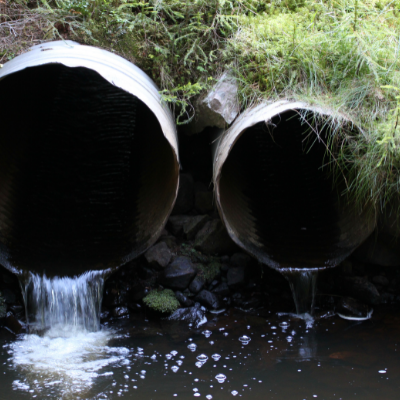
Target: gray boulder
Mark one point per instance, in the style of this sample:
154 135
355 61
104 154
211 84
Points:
213 239
178 274
158 255
208 299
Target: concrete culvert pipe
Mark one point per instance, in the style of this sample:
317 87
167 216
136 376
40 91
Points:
89 163
274 196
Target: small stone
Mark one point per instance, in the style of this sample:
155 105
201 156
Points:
214 239
197 284
185 199
120 311
195 315
208 299
240 260
362 289
184 300
380 280
158 255
213 284
178 274
235 277
170 241
176 223
204 202
222 289
193 225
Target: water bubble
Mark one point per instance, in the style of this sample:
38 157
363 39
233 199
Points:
209 397
215 357
220 378
174 352
168 356
273 327
179 362
244 339
197 395
382 371
248 326
234 392
226 333
192 347
195 390
284 325
198 364
221 329
142 376
143 372
211 342
289 338
153 357
174 368
207 333
202 358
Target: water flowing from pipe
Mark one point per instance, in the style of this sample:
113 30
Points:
64 302
303 286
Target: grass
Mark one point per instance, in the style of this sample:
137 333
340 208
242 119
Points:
342 55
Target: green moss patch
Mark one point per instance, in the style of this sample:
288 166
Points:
162 301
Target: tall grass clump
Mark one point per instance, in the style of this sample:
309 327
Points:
342 55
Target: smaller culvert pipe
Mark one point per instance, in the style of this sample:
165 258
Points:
273 195
89 163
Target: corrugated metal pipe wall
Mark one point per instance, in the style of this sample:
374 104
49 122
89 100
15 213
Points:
275 197
89 163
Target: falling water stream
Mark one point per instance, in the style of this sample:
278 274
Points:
303 286
251 355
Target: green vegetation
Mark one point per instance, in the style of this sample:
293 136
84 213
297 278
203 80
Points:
162 301
210 271
339 54
3 307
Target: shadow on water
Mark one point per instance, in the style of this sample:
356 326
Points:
233 354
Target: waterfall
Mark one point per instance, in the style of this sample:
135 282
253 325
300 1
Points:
67 303
303 286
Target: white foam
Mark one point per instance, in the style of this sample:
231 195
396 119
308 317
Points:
65 358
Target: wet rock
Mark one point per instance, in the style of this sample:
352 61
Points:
185 199
104 315
197 284
240 260
213 284
213 239
222 290
380 280
193 225
6 335
176 223
184 300
170 241
13 324
178 274
208 299
195 315
362 289
158 255
9 296
349 308
120 312
204 202
235 277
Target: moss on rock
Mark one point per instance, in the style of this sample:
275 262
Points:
162 301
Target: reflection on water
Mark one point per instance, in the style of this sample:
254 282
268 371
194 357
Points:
261 357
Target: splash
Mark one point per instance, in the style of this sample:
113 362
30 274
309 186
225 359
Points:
65 302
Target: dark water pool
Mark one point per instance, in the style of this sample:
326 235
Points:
232 355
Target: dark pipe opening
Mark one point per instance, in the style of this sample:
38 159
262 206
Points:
87 178
278 200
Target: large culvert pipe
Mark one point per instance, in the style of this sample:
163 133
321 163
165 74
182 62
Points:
274 196
89 163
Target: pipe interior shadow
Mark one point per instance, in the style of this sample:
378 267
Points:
87 178
278 200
